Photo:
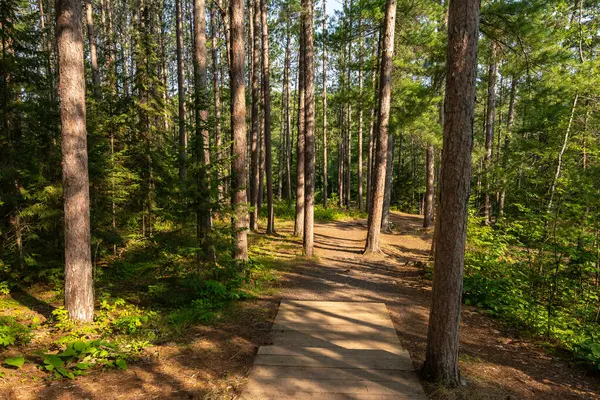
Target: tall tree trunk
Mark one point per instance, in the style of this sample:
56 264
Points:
348 61
226 25
441 364
300 146
204 218
348 155
250 41
309 126
261 140
79 286
15 221
214 31
282 144
371 156
383 117
429 186
181 92
293 116
386 223
47 48
110 43
288 120
324 97
360 118
341 156
249 140
489 131
254 162
510 118
93 49
261 151
238 130
267 117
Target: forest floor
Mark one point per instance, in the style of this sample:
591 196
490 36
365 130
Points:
212 361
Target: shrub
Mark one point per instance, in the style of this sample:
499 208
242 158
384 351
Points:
12 332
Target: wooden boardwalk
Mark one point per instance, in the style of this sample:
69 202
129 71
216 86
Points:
333 350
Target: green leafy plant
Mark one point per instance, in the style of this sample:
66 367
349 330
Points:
16 362
12 332
4 287
62 320
79 356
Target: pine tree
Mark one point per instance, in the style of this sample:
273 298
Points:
79 288
441 364
238 129
309 128
383 117
267 117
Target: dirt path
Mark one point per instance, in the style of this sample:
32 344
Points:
495 365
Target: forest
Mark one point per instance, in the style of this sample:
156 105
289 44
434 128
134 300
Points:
171 169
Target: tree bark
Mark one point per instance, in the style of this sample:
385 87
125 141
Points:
288 120
429 187
261 152
267 118
254 162
386 223
360 119
383 116
441 364
309 125
204 218
510 119
324 98
348 61
341 156
47 48
181 92
79 286
348 155
238 130
214 31
300 146
371 156
93 48
489 131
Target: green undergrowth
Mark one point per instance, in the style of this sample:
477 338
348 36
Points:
153 292
286 211
532 290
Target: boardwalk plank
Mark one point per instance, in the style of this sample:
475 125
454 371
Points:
349 327
312 385
373 375
402 364
333 350
330 396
